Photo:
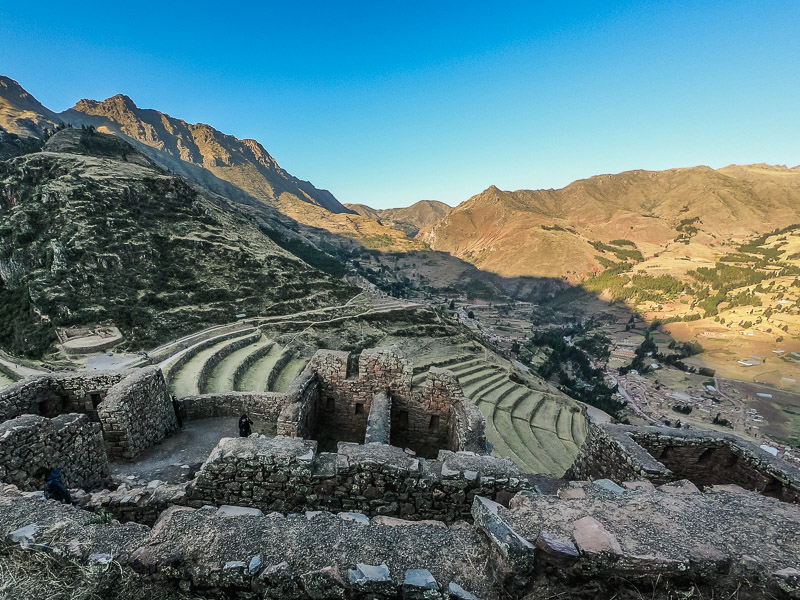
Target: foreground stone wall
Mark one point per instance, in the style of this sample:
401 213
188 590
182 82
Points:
31 445
137 413
594 540
58 393
233 552
288 475
661 454
665 542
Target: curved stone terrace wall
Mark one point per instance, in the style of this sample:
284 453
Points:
177 361
663 454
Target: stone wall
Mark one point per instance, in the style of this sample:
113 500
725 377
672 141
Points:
380 420
31 445
299 417
137 413
467 428
436 415
58 393
598 542
344 400
288 475
137 505
661 454
607 456
262 407
232 552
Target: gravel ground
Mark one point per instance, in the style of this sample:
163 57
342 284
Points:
190 446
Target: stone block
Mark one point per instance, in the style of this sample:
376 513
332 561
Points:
372 579
518 551
456 592
238 511
323 584
592 538
419 584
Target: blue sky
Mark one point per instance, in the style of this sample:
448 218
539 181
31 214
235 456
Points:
387 103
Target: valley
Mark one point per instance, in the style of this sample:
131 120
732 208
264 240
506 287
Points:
637 294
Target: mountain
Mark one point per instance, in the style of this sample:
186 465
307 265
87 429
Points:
409 219
92 231
573 232
244 163
224 164
21 113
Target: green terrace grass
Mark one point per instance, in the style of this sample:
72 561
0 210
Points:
538 432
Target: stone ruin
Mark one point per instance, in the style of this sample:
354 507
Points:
76 421
373 488
663 454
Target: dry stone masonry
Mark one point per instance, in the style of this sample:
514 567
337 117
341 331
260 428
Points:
288 475
137 413
31 445
436 415
663 454
57 393
94 415
375 488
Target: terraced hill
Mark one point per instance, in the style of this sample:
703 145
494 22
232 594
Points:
539 430
242 360
102 235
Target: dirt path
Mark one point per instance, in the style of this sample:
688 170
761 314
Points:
22 370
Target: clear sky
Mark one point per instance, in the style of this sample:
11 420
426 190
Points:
386 103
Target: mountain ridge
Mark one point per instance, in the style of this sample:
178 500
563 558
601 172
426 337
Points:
94 232
224 155
517 233
21 113
241 170
409 219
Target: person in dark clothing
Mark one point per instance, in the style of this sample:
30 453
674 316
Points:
244 426
176 408
55 488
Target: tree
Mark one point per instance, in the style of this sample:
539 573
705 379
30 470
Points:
452 304
471 315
